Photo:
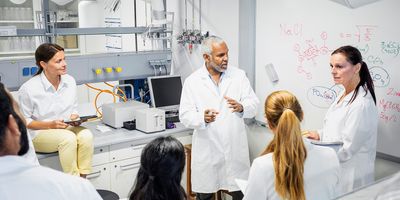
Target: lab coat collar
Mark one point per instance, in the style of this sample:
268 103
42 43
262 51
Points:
205 73
224 84
12 163
346 99
47 85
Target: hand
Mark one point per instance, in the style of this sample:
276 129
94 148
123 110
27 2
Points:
210 115
57 124
236 106
75 117
312 135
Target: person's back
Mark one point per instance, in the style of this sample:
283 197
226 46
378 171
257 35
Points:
290 167
321 172
321 175
20 179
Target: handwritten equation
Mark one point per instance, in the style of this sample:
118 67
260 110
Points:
393 92
291 29
363 33
309 52
321 97
380 76
390 111
390 48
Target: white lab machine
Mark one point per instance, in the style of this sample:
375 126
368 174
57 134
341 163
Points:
115 114
150 120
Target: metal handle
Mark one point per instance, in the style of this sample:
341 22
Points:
94 174
130 166
138 147
124 85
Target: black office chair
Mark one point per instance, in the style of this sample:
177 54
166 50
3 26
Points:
108 195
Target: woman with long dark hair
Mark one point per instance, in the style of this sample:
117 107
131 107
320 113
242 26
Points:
352 118
161 166
291 168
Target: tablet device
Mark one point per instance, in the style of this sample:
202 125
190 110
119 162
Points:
80 119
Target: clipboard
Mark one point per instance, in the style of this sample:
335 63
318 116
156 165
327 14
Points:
326 143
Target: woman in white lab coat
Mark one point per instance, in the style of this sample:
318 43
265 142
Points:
352 118
291 167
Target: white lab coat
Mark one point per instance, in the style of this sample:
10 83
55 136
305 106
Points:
20 179
219 149
356 125
321 175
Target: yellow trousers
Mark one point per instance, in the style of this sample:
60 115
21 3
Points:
74 146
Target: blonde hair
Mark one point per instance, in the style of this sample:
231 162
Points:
284 114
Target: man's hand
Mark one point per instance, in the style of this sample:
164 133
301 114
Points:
236 106
210 115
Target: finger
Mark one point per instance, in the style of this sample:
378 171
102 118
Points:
227 98
231 101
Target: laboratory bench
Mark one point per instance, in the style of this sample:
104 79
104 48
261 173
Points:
386 188
116 158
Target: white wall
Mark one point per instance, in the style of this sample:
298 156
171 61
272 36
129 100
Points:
218 17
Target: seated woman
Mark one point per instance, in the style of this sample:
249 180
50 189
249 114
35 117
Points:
159 177
291 168
46 100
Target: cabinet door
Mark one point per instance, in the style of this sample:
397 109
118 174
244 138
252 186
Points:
123 176
51 162
187 139
101 155
100 177
125 150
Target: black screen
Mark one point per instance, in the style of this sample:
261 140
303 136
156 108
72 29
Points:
166 91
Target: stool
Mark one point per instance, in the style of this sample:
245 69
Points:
189 193
108 195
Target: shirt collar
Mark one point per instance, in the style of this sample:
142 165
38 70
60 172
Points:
206 74
47 85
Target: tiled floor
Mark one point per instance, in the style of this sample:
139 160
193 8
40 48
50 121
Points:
384 168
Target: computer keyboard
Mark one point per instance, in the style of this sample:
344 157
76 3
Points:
174 119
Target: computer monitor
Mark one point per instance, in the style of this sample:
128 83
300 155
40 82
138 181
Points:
165 91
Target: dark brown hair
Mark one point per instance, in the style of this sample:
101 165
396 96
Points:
44 53
354 57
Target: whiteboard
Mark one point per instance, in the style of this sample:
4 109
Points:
297 38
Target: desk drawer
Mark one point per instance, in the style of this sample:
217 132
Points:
101 155
125 150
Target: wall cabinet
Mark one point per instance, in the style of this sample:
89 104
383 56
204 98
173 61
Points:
28 15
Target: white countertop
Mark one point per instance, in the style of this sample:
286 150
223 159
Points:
121 135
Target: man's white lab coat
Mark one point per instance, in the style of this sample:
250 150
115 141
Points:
356 125
219 149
